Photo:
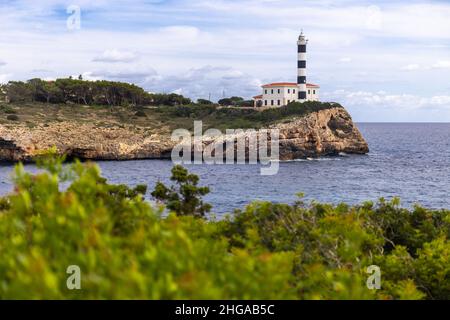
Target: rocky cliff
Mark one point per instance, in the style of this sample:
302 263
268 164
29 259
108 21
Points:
326 132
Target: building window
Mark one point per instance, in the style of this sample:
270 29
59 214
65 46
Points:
265 102
279 102
266 91
289 90
293 91
271 103
272 91
309 91
314 91
279 90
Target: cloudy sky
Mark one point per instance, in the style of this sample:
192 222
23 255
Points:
384 60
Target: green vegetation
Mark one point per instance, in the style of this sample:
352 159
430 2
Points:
127 250
204 102
141 114
237 118
79 91
12 117
185 198
10 111
155 119
235 102
111 104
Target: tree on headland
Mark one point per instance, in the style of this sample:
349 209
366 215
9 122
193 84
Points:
204 102
236 99
50 91
245 103
225 102
18 91
235 102
103 92
36 87
171 99
2 92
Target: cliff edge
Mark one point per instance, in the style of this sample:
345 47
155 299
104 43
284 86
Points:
325 132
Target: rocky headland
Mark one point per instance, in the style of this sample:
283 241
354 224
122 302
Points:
322 133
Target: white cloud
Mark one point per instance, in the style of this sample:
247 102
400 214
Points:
374 18
203 46
2 63
137 75
383 100
417 21
206 81
201 82
443 64
52 78
233 74
116 56
345 60
440 101
411 67
4 78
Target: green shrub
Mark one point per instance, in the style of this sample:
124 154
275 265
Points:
140 114
126 249
185 198
204 102
12 117
235 118
7 109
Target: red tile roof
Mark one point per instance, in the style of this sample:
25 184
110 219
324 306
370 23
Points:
280 84
258 97
288 84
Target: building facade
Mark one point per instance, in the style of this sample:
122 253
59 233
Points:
282 93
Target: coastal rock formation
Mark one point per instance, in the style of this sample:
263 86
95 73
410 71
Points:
322 133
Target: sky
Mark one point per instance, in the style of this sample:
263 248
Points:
385 61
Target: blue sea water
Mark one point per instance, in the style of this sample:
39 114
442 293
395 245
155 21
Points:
411 161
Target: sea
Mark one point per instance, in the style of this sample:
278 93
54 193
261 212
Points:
406 160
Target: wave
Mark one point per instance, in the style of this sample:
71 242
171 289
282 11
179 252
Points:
308 160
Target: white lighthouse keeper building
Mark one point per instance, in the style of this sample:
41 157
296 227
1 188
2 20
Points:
282 93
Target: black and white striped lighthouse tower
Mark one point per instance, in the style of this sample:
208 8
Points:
301 79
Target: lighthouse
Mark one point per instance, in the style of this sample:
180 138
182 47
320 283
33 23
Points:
301 75
279 94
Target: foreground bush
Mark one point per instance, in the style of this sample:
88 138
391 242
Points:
123 247
127 250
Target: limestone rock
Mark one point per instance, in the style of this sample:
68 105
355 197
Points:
326 132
